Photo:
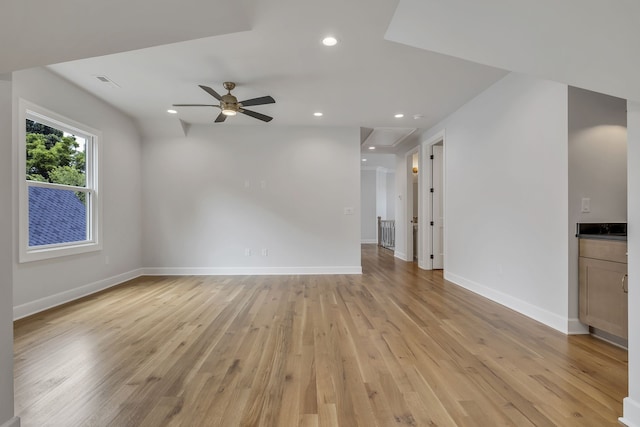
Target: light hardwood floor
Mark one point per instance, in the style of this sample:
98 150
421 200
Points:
397 346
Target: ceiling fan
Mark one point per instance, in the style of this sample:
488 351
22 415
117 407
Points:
230 106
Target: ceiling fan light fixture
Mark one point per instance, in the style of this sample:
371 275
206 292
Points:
229 105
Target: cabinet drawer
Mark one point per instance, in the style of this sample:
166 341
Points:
608 250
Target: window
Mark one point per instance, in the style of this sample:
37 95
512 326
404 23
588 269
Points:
58 179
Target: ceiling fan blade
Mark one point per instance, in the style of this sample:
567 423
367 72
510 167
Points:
211 92
256 115
221 118
258 101
195 105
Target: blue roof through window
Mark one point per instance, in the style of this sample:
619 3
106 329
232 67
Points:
55 216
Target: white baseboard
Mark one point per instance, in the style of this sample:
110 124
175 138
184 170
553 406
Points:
249 271
539 314
425 265
400 255
51 301
369 241
631 413
13 422
575 327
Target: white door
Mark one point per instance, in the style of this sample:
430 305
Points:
438 208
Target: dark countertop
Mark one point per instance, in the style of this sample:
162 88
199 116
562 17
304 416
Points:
602 231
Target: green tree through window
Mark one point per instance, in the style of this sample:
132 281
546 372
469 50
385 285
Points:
54 157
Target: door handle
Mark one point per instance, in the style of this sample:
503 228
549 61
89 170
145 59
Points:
625 290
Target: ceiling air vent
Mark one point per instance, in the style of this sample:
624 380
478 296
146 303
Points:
107 81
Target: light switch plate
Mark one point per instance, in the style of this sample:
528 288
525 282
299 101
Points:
586 205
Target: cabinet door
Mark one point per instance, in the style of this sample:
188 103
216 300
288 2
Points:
603 297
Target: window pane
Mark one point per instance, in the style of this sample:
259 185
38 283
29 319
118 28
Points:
57 216
54 155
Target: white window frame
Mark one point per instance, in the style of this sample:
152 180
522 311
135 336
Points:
28 110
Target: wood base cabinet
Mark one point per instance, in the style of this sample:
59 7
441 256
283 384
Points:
603 285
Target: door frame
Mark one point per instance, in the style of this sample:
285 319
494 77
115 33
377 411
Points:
409 205
426 233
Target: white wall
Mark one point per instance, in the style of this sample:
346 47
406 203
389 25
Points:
368 220
597 168
415 198
381 193
6 250
404 198
632 402
39 285
401 199
506 197
224 189
391 195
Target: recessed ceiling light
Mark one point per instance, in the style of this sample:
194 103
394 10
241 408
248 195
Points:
364 160
399 116
172 112
329 41
418 116
372 148
317 114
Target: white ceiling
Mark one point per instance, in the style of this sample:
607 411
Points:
42 32
272 47
387 137
592 44
363 81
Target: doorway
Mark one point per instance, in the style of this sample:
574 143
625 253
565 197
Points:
413 246
415 196
437 205
434 203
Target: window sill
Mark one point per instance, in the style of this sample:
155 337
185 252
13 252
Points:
60 251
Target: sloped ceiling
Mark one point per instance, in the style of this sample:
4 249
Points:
42 32
592 44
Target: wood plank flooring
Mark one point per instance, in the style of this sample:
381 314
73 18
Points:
397 346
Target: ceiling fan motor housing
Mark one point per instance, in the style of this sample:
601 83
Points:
229 102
